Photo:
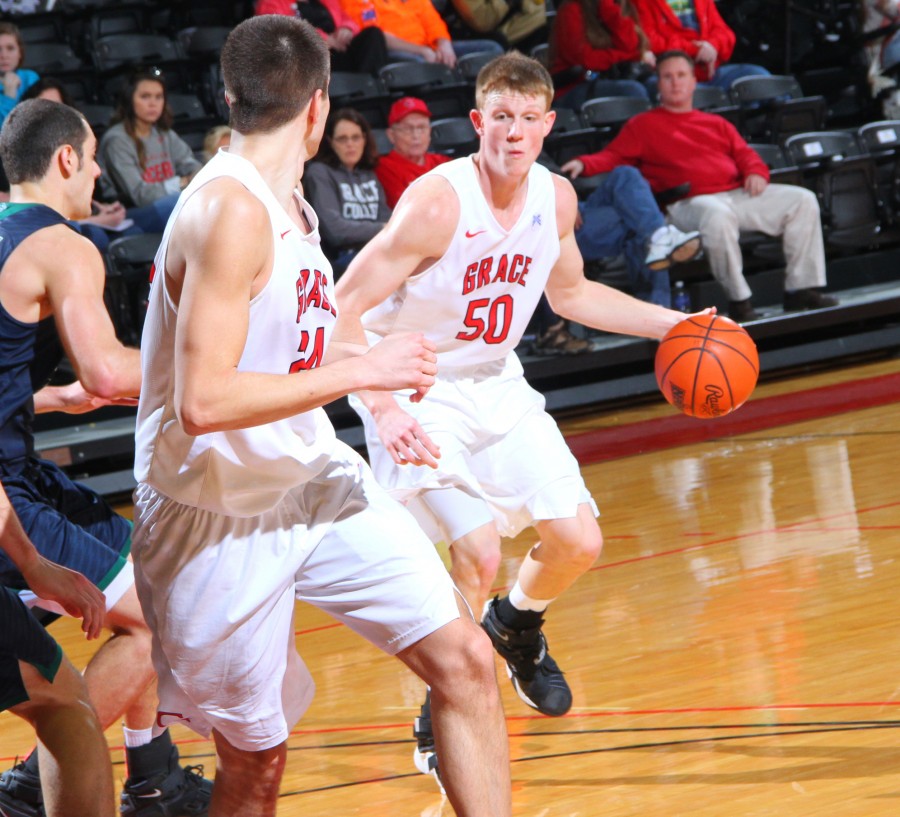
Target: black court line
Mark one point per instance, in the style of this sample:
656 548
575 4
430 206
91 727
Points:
830 727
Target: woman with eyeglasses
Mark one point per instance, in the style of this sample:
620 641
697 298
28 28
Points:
342 187
145 161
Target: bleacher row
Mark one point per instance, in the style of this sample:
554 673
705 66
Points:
91 45
854 173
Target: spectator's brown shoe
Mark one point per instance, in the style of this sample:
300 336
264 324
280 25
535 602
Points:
742 311
803 299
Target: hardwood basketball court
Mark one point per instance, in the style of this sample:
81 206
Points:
733 652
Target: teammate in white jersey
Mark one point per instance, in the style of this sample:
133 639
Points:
464 259
245 499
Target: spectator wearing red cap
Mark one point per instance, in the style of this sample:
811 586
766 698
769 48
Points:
409 129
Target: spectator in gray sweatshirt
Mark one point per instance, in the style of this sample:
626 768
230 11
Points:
143 159
342 187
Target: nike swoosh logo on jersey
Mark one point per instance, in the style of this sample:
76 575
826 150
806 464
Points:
154 793
285 233
477 232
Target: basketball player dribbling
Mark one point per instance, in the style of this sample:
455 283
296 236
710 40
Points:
245 499
464 259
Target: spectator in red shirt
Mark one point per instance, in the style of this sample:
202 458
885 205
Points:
729 189
597 48
409 129
697 28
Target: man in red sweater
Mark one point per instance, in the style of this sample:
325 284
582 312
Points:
729 189
409 129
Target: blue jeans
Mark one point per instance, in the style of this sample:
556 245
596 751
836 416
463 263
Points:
101 238
460 48
152 218
890 55
726 74
618 219
594 88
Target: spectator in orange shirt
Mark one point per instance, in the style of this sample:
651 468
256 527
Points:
414 30
350 48
409 129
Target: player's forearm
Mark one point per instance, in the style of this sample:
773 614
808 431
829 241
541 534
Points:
13 538
247 399
349 338
602 307
50 398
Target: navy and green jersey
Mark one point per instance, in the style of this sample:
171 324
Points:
29 352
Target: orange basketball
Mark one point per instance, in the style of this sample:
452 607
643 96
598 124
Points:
707 366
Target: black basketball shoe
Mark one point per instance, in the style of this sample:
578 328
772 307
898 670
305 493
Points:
172 791
20 793
425 756
534 674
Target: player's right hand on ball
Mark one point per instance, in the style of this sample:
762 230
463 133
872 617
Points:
403 361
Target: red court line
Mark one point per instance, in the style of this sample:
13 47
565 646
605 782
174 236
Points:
795 527
602 444
318 629
607 713
604 713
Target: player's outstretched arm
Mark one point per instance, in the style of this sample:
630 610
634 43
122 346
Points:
590 303
74 278
50 581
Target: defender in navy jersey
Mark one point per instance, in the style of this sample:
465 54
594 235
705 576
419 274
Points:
40 685
464 259
246 501
51 303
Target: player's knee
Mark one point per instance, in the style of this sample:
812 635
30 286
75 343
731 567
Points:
471 659
488 565
592 546
476 559
582 551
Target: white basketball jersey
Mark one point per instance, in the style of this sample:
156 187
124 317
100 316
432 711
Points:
476 300
244 472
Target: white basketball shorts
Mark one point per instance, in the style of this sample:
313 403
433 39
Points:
497 443
218 593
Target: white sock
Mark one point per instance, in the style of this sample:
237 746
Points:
520 601
137 737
